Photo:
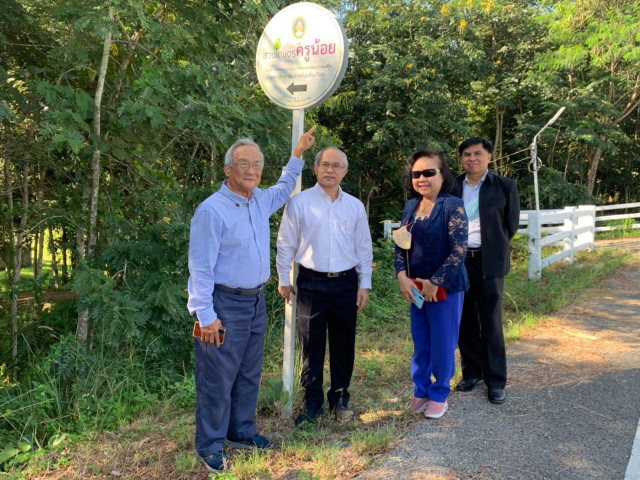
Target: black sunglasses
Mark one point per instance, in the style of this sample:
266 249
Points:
429 172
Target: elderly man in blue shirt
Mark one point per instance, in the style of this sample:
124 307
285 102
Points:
229 264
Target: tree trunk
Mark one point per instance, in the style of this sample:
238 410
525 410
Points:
367 202
41 252
65 258
39 255
80 240
83 326
11 261
53 250
95 159
16 241
83 317
36 252
594 161
497 144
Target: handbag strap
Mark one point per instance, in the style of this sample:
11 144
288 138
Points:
408 270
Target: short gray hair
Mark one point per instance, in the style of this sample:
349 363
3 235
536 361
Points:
342 154
228 157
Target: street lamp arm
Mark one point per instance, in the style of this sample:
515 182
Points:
550 122
534 158
555 117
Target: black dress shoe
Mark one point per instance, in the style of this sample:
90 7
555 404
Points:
496 395
466 385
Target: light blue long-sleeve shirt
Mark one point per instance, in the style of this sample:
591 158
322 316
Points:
229 241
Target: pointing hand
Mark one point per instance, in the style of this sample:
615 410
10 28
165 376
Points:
305 143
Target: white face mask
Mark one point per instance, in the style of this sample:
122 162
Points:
402 237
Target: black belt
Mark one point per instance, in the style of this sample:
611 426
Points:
240 291
473 252
326 274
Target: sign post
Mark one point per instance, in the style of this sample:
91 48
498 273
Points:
301 59
288 358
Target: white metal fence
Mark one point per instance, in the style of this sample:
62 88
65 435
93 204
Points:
572 228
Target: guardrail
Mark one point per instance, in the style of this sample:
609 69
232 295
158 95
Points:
572 228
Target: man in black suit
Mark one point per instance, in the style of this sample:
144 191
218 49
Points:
493 209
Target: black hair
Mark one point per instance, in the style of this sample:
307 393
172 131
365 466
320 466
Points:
486 144
448 181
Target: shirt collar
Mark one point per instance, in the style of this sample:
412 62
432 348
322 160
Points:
234 197
322 192
466 180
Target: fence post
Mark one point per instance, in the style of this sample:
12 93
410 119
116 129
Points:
569 226
587 238
535 251
387 229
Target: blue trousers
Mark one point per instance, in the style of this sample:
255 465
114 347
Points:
434 329
228 378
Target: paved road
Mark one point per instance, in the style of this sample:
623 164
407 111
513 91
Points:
572 409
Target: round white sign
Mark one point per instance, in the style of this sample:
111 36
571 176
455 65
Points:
302 56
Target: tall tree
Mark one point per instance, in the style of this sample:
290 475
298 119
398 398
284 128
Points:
178 88
21 146
595 69
83 316
410 67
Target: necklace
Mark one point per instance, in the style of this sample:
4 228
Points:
425 210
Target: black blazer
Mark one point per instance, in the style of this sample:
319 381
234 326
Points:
499 209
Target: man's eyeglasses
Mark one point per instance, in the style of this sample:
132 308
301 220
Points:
244 166
429 172
335 166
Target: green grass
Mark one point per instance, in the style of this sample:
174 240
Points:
622 229
27 272
148 433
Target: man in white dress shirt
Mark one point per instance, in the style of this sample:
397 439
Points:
326 231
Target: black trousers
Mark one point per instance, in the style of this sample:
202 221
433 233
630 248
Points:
481 341
327 304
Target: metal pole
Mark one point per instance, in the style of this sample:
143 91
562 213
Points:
288 360
535 268
534 157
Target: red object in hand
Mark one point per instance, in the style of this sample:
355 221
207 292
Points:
441 294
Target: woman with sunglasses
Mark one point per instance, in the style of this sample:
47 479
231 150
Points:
433 267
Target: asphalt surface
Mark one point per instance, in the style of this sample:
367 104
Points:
572 408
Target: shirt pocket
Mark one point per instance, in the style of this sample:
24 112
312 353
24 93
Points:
346 232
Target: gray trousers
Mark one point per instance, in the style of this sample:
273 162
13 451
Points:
228 378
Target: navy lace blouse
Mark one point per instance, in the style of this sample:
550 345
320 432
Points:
438 243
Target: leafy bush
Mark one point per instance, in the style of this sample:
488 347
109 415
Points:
620 228
71 391
554 191
385 296
141 302
272 396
